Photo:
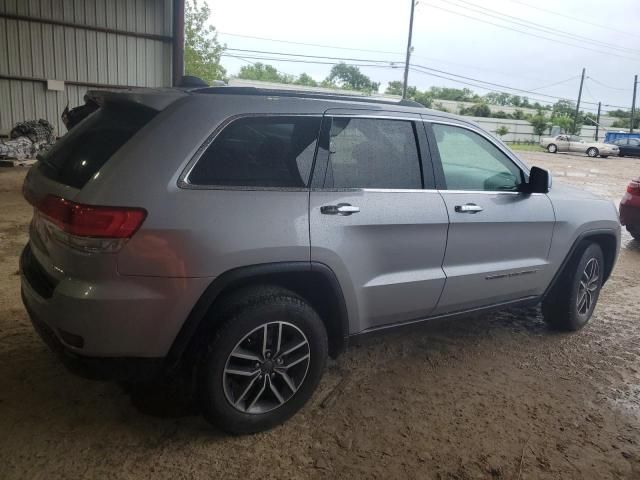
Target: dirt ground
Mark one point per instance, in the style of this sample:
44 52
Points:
494 397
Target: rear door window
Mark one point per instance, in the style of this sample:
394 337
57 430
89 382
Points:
263 151
373 153
78 156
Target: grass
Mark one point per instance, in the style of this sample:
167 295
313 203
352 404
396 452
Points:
524 147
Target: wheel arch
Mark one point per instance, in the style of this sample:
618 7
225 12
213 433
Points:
314 282
608 242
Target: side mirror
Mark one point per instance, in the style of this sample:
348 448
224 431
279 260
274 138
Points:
539 181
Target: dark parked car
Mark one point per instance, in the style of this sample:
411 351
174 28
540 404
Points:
630 208
628 146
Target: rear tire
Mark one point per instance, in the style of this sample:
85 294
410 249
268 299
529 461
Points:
250 384
552 148
570 304
592 152
635 233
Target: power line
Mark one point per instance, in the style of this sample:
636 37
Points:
325 57
365 62
463 82
540 27
432 59
310 44
572 18
315 62
609 86
556 83
529 33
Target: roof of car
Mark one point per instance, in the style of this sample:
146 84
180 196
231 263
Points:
160 98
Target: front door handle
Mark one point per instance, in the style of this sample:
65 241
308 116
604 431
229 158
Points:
339 209
468 208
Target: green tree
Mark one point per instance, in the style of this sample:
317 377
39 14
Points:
565 122
499 114
306 80
517 114
394 88
502 131
625 123
539 123
351 78
478 110
201 47
619 113
264 73
564 107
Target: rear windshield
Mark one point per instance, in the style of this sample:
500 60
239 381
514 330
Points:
77 156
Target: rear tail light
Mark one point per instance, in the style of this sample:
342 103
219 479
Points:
90 220
87 227
634 187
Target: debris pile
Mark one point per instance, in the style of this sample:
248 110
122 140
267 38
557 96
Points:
27 139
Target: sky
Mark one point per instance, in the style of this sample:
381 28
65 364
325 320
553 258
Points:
467 38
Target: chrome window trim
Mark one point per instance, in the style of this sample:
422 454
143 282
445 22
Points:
511 156
183 179
375 190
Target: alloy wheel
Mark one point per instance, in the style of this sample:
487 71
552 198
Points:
588 286
266 368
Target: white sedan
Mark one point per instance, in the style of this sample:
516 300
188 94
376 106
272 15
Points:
573 143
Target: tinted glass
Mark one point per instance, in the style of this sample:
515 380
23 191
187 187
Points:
575 138
373 153
77 156
471 162
260 152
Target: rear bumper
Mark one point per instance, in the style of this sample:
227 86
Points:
117 317
96 368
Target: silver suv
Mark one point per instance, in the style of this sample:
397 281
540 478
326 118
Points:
243 235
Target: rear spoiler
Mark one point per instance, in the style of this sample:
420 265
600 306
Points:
155 98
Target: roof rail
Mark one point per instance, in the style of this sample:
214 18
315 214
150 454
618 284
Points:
304 94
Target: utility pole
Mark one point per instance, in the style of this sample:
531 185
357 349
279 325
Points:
575 118
633 103
406 65
598 121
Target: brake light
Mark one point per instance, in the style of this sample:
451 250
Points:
634 187
91 220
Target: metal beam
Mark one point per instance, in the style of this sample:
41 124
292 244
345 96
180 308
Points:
47 21
67 82
178 41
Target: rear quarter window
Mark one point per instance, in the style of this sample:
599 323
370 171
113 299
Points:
80 154
276 151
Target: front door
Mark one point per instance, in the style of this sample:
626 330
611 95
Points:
499 238
375 217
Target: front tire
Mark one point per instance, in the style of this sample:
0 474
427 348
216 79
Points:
552 148
593 152
570 304
264 362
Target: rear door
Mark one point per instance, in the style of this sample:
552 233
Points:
576 144
499 238
376 219
562 142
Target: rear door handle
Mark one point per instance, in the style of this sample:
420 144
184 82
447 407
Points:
339 209
468 208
